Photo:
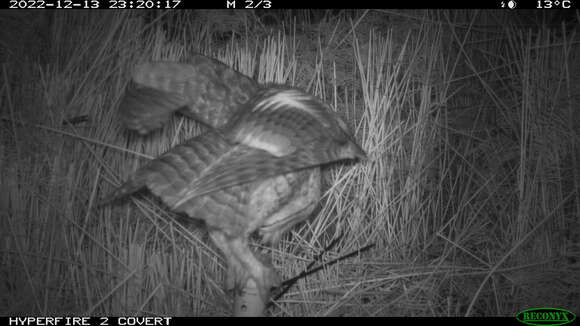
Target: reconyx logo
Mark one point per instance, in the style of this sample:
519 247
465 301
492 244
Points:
545 316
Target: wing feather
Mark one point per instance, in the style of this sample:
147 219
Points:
203 89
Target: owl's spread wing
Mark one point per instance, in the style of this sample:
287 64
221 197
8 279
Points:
200 166
203 89
266 132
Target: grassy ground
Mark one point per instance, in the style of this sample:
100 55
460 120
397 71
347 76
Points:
470 194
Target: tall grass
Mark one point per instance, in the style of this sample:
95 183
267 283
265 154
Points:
469 195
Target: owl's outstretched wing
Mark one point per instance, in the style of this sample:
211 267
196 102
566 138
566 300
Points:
200 166
203 89
266 132
170 175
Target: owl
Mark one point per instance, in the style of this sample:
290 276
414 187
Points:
255 169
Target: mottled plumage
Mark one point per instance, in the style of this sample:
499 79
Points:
204 89
256 169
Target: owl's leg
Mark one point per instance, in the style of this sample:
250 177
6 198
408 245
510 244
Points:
264 275
234 266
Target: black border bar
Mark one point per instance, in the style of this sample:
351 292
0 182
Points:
513 5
